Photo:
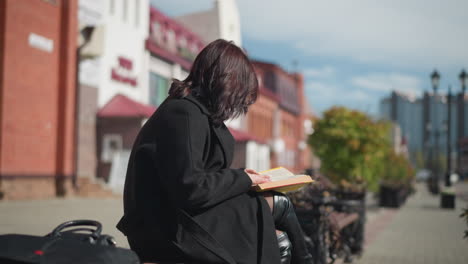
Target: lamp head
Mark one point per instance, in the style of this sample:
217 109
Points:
463 77
435 77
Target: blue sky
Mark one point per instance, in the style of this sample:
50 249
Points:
353 53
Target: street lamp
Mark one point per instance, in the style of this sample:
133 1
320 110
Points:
434 181
463 77
435 77
461 116
448 183
447 196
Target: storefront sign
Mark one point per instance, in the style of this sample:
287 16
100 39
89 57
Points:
53 2
123 72
41 42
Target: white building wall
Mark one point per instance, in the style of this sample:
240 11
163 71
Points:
125 32
229 21
257 156
222 21
205 24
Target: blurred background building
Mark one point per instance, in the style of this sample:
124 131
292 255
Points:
423 124
221 21
38 45
98 87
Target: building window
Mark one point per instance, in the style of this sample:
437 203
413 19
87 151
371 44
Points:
171 41
137 12
270 81
159 87
125 10
194 47
111 144
157 33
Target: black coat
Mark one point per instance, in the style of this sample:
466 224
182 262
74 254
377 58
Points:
181 199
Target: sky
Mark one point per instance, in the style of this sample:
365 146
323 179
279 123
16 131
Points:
353 53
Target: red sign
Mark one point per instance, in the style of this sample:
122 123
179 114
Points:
123 72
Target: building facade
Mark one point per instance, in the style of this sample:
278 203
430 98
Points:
168 50
37 97
407 113
279 116
221 21
113 62
423 123
172 49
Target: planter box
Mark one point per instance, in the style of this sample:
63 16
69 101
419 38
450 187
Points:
392 197
447 200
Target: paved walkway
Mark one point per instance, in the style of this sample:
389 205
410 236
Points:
420 232
41 216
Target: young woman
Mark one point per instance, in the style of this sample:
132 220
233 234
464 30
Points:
182 201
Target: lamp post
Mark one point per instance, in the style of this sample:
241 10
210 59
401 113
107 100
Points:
448 183
461 115
434 184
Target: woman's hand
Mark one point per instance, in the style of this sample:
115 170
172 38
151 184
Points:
256 177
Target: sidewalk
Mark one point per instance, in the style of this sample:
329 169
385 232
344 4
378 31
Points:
41 216
420 232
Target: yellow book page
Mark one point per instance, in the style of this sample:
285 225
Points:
278 174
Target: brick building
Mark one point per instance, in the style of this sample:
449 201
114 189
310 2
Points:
37 97
279 116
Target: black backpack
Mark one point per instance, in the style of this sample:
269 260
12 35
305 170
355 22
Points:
82 243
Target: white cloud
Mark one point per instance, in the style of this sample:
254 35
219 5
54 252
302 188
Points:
420 34
381 82
324 72
402 33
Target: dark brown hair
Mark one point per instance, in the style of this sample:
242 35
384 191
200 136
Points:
222 78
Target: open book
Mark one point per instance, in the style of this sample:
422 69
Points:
282 180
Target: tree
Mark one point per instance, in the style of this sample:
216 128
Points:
351 146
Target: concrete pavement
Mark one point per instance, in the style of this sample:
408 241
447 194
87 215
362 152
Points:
41 216
420 232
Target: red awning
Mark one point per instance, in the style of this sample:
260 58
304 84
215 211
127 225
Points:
122 106
241 136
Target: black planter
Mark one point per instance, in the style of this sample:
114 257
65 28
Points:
447 200
392 197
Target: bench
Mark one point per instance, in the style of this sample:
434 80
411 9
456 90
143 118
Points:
339 220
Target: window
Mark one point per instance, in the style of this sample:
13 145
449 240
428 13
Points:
194 47
182 42
137 12
171 41
111 144
125 10
159 87
156 33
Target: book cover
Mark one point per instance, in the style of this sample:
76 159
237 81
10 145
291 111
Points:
283 180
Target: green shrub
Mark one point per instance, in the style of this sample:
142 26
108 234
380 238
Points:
352 147
398 171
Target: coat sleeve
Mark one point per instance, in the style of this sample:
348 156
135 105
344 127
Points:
179 157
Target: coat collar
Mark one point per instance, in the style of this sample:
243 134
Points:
221 131
226 140
197 102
